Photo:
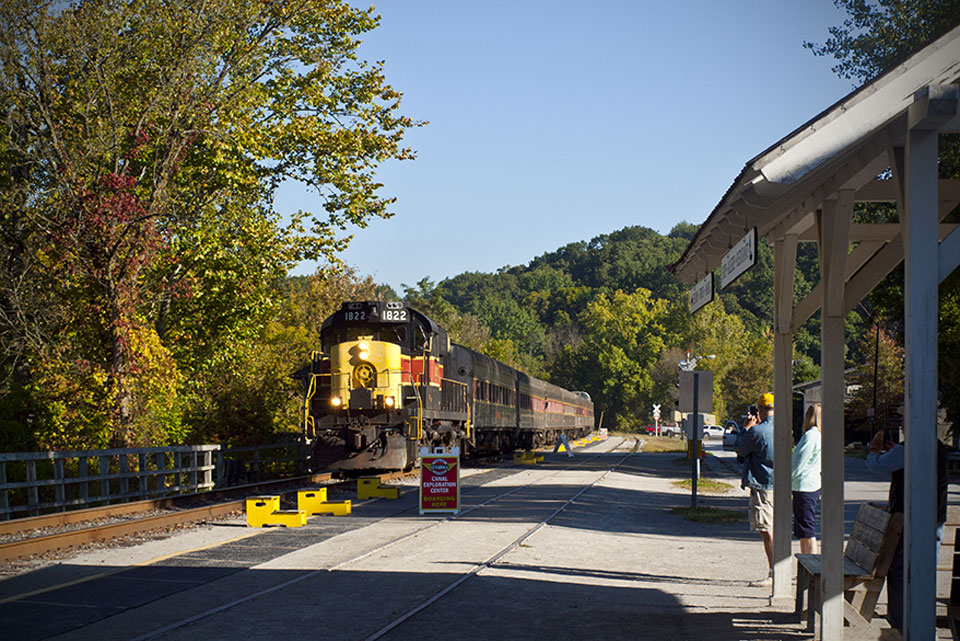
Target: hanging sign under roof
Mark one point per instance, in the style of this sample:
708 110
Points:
739 259
701 293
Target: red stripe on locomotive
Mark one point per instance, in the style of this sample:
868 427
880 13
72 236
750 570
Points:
412 370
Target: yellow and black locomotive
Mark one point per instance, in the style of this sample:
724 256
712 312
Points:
389 381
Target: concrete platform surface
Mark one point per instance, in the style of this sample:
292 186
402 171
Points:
614 560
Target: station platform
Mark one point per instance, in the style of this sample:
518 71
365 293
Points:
588 547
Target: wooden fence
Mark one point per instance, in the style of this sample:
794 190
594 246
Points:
34 483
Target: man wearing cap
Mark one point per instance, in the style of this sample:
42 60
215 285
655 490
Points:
755 447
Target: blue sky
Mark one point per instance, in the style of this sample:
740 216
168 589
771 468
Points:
554 121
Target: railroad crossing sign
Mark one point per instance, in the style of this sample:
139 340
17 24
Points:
656 411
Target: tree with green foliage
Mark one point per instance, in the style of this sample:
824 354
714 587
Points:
883 363
463 328
142 145
623 336
877 34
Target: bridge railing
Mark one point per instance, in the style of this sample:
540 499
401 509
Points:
33 483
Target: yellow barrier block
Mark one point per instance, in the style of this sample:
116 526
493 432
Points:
259 509
540 459
288 518
334 508
265 510
369 488
308 499
526 458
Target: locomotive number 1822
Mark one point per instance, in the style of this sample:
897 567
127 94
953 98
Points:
395 315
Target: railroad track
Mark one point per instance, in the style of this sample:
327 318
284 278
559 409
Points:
81 527
66 530
427 602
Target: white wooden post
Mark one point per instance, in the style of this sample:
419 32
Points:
834 234
919 223
785 260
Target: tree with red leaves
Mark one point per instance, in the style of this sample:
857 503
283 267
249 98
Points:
142 143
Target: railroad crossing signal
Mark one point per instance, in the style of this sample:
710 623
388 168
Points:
656 411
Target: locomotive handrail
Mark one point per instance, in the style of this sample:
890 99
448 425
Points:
309 425
390 372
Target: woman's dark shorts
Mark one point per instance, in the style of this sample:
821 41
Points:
805 514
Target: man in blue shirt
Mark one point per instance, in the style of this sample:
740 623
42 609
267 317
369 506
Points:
755 447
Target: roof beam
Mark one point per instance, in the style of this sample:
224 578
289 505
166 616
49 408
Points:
885 191
811 302
834 228
882 264
949 254
933 106
873 231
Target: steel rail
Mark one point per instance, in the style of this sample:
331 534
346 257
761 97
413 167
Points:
493 559
74 538
309 575
64 540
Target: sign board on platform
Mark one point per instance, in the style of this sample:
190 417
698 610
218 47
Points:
439 480
694 428
704 382
739 259
701 293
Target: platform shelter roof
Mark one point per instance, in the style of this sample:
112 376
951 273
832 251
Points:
878 144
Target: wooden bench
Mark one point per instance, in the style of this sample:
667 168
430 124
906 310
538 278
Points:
866 560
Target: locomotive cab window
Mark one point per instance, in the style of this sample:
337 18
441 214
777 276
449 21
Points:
396 334
354 332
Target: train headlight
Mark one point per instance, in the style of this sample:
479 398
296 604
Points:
335 401
388 401
364 354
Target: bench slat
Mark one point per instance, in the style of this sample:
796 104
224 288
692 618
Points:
861 555
873 516
812 563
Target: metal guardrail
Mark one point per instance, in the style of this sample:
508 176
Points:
33 483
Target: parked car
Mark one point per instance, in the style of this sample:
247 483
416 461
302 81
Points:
671 430
731 430
712 431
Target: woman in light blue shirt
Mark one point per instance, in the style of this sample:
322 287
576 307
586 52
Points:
806 481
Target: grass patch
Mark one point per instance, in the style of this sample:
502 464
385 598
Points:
713 515
663 444
706 486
